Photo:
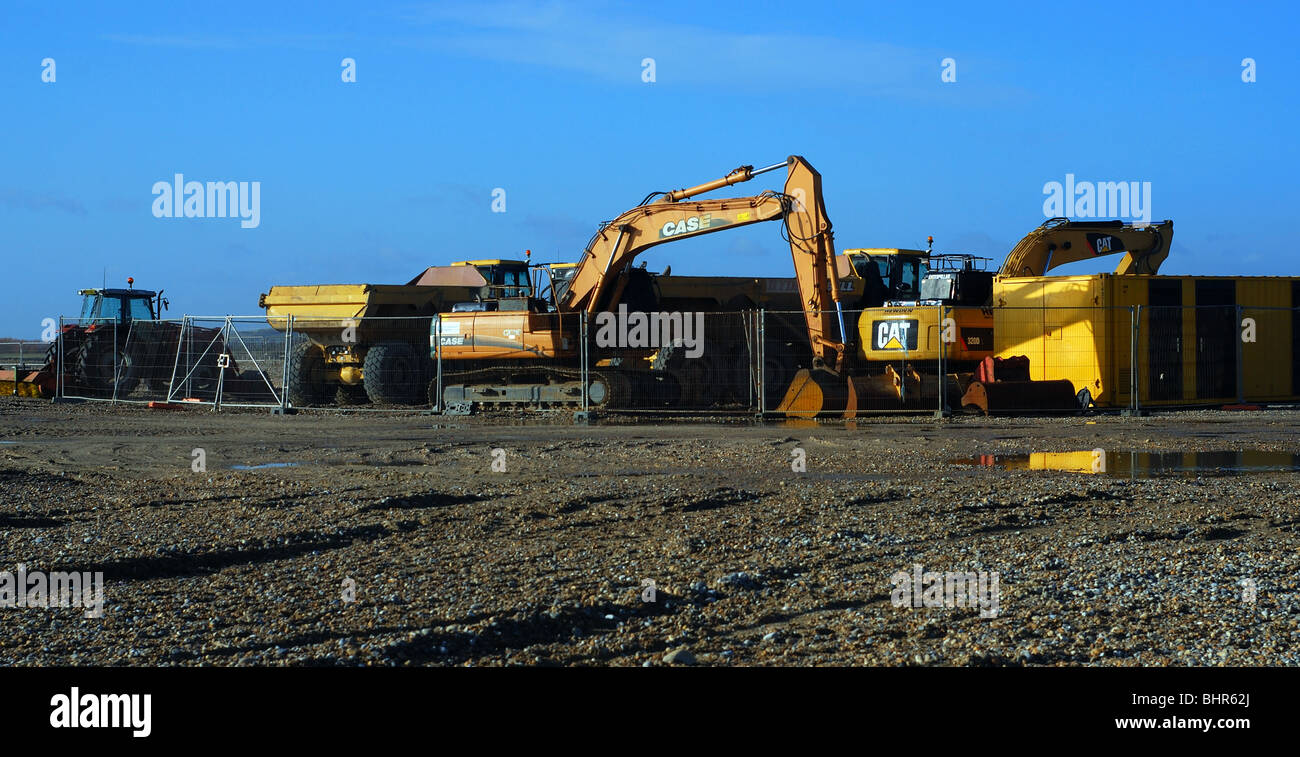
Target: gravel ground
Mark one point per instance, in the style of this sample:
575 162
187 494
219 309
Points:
544 563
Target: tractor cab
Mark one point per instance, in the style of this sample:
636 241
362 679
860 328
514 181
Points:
121 305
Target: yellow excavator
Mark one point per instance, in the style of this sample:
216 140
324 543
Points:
905 345
513 350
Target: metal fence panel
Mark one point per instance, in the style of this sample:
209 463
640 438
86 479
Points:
906 359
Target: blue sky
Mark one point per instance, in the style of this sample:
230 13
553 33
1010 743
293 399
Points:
374 180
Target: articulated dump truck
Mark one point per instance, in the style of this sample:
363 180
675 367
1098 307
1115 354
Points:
370 342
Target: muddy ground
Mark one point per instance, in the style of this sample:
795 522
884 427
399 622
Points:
390 539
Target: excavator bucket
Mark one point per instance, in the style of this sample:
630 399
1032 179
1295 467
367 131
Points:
813 393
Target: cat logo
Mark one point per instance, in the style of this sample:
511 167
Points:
1105 244
895 335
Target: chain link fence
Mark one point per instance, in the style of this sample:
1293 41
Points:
906 359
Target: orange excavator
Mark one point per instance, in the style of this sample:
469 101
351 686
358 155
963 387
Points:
524 349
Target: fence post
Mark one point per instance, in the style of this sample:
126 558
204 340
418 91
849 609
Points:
437 368
58 362
762 362
189 355
116 363
1241 368
943 408
751 333
221 371
1135 320
284 365
582 362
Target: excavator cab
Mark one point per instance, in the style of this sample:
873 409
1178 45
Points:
887 273
954 279
552 280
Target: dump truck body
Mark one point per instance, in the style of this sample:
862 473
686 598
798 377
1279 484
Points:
324 312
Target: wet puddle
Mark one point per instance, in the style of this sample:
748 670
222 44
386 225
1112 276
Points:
263 465
1141 464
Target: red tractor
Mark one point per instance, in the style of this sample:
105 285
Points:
120 342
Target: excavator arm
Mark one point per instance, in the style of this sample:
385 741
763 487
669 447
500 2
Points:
674 215
1060 241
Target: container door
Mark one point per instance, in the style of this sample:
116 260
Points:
1216 339
1295 337
1165 340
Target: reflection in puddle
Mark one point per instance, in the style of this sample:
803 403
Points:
263 465
1141 464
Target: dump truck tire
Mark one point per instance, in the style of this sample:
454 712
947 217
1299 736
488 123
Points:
394 374
307 383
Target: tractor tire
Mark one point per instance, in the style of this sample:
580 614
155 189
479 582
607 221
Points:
307 382
395 373
97 361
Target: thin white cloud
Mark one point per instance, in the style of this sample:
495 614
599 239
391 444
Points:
610 44
225 42
38 201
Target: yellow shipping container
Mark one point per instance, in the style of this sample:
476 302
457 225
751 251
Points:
1197 337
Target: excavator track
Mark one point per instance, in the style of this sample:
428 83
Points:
552 387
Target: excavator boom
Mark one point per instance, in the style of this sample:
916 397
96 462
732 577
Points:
1060 241
674 215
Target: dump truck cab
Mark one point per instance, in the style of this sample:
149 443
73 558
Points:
509 286
505 278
